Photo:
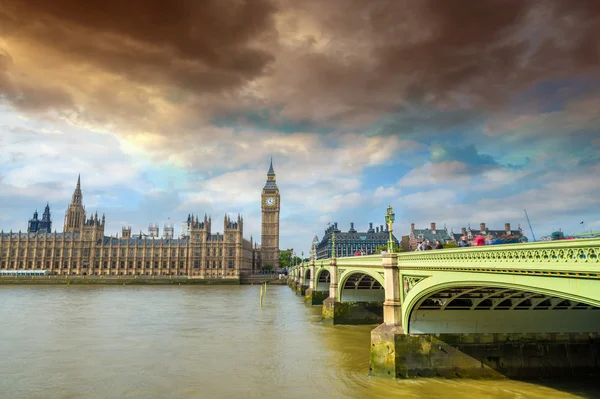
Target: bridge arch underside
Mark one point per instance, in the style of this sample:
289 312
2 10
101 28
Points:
361 287
322 280
485 309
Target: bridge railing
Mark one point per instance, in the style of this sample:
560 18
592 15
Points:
575 256
569 256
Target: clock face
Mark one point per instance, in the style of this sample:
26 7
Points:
270 201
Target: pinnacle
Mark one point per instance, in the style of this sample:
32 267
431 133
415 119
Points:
271 171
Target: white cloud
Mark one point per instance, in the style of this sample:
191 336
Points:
385 192
429 174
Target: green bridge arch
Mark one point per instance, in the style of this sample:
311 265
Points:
360 292
503 287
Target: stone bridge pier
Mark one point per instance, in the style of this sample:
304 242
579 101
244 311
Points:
318 286
355 296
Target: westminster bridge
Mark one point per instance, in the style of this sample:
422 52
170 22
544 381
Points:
517 310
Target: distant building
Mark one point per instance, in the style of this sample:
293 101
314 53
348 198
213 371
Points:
168 231
84 249
497 236
350 242
44 225
432 234
153 230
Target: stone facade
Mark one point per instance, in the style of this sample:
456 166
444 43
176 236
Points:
83 249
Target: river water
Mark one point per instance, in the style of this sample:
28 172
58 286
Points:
202 342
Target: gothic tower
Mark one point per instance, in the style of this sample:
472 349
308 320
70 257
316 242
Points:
270 221
75 216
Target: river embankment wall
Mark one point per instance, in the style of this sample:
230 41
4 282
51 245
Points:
116 280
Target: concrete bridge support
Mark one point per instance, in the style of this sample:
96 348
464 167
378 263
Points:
355 306
313 296
331 305
293 279
386 338
318 289
301 286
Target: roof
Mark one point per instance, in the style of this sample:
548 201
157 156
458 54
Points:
271 171
347 237
428 234
143 241
42 235
270 185
496 233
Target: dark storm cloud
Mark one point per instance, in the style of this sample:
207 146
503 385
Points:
448 55
203 45
29 96
335 62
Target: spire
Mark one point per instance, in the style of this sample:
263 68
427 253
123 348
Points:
270 184
77 197
271 171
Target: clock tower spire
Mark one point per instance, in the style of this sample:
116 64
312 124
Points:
270 201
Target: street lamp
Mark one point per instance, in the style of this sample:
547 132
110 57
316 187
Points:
333 251
390 216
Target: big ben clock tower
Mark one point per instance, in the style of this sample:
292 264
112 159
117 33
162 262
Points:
270 221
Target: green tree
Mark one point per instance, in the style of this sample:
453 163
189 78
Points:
285 258
384 248
450 244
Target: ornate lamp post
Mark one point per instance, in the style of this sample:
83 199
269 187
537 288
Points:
333 251
390 216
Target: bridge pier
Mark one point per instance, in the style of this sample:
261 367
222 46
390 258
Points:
515 356
349 312
312 296
385 338
300 287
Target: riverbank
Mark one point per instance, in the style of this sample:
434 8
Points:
114 280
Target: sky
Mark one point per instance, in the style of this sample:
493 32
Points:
456 112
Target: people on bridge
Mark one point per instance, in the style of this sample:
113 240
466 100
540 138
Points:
439 245
479 241
463 242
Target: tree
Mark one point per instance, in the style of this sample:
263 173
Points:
384 248
450 244
285 258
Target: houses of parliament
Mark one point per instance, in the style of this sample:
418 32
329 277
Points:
83 248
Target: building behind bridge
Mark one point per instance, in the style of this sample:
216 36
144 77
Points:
350 242
432 234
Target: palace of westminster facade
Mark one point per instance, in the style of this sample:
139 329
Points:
83 249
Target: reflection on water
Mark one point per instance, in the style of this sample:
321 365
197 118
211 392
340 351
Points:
201 342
